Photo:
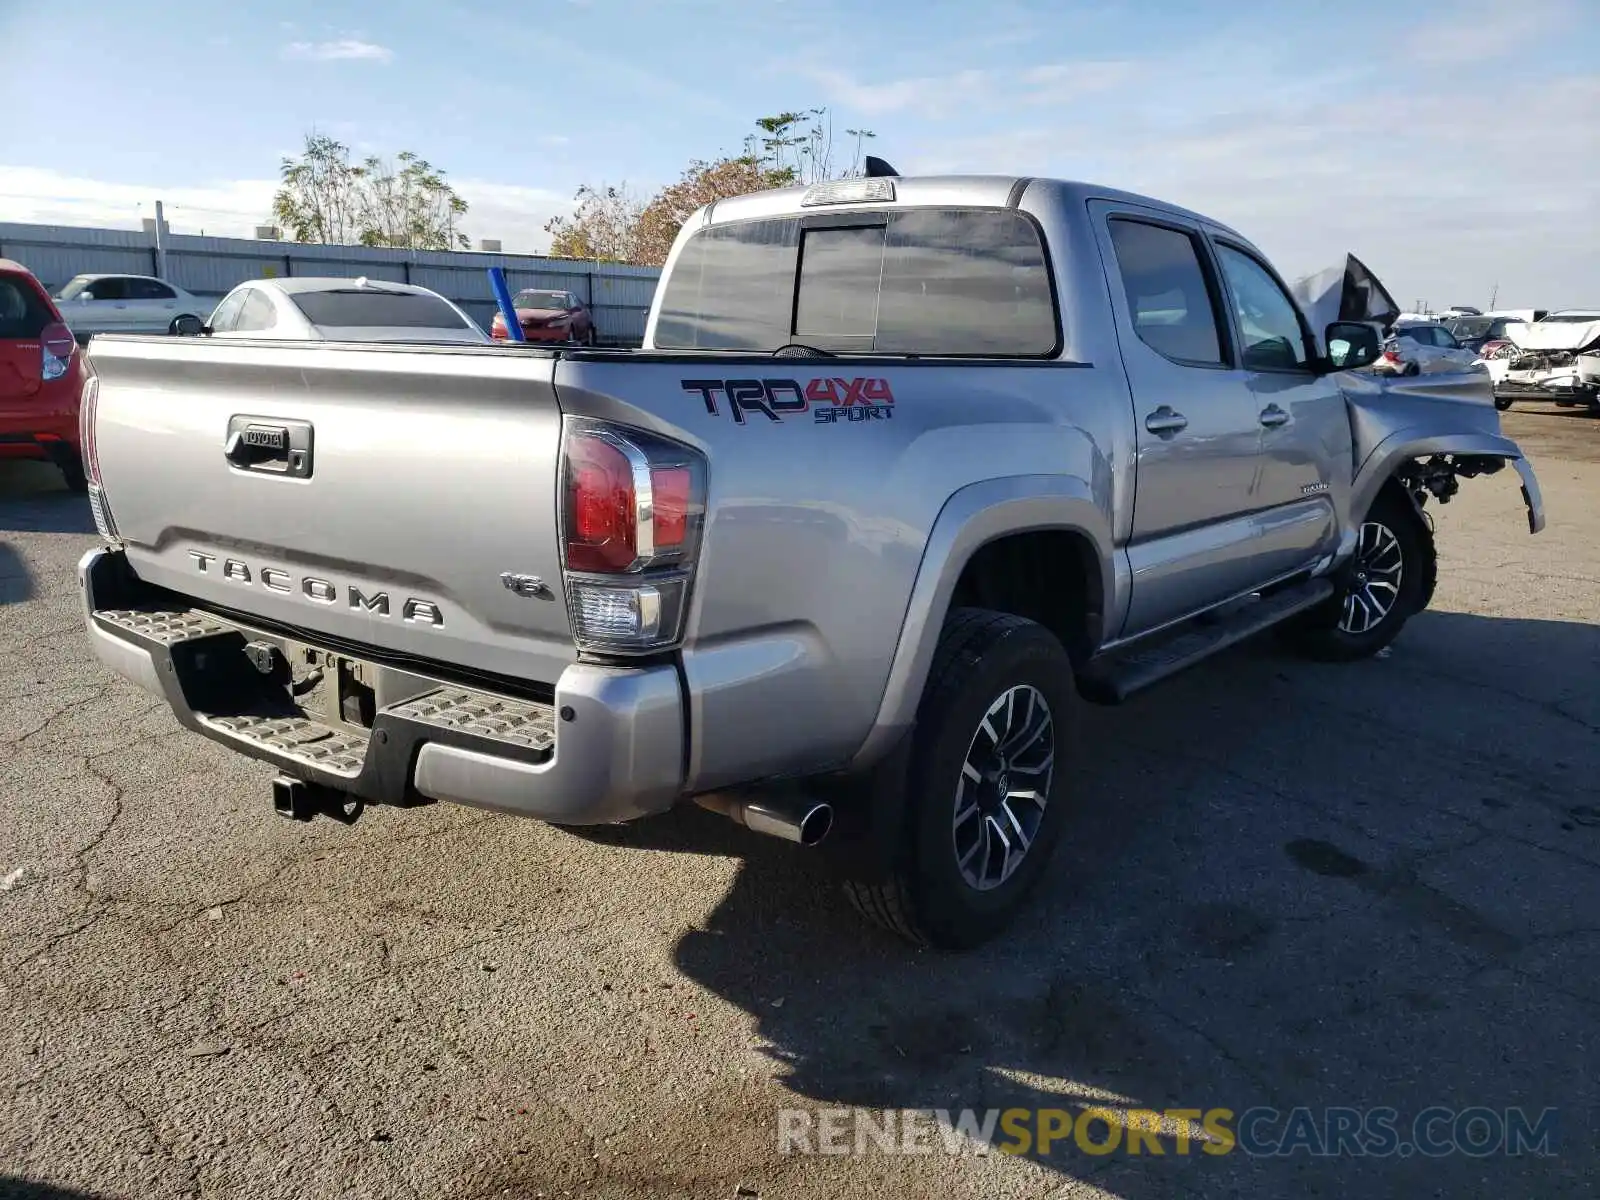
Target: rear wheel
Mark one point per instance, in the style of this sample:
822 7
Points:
1388 580
986 793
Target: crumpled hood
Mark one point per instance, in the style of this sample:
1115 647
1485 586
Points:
1346 291
1554 335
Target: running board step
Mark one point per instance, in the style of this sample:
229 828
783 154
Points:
1121 675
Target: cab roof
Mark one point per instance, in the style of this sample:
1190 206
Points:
983 191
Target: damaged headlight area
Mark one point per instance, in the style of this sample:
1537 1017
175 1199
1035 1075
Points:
1440 475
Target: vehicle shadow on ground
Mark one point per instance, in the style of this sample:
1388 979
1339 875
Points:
16 581
12 1188
1253 906
33 499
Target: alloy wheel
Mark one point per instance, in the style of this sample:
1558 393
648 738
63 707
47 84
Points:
1004 787
1374 580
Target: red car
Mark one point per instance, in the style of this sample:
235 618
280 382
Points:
42 374
548 316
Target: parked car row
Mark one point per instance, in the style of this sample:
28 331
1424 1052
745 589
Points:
1528 353
42 370
304 307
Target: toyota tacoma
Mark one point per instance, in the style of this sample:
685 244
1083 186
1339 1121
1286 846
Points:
906 471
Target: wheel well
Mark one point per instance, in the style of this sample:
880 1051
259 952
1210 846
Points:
1051 576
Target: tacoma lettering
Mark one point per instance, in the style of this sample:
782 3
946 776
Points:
416 609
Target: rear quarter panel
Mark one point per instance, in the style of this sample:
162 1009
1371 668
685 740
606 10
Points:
818 524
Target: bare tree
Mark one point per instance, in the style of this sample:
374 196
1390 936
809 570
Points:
610 224
702 183
602 226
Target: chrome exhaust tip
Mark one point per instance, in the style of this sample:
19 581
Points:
796 818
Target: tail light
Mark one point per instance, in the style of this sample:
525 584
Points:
56 345
88 450
632 505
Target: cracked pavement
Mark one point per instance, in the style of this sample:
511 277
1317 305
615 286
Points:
1285 883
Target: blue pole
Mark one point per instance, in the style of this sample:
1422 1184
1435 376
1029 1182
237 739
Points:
508 310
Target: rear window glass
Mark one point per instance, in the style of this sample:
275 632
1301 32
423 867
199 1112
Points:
919 281
22 313
360 308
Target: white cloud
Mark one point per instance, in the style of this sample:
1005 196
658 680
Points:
1488 29
1391 178
341 49
228 209
233 208
970 89
515 215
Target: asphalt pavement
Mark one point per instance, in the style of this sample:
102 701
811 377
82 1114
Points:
1285 886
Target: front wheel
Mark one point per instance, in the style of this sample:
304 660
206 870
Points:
986 785
1388 580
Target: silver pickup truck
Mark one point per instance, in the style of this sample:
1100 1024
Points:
907 470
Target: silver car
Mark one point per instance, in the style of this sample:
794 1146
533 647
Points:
339 310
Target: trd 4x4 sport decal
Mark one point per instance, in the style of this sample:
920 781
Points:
828 400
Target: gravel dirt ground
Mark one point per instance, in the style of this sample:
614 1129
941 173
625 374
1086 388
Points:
1286 884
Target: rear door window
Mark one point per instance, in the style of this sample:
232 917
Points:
1170 300
22 314
368 308
956 282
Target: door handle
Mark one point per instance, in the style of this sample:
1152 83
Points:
1272 416
1164 420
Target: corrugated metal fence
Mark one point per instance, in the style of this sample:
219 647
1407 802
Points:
210 266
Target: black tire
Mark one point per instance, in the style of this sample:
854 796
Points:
71 467
921 893
1319 635
1502 402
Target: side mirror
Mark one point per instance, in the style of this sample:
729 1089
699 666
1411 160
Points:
1352 344
189 326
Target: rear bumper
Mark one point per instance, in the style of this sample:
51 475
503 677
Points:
608 746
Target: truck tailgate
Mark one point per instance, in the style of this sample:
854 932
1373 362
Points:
373 494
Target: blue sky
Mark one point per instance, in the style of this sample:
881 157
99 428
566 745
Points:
1452 146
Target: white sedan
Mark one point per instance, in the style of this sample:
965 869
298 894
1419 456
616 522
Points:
1423 347
340 310
93 304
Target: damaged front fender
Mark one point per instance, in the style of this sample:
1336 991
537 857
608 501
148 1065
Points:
1429 430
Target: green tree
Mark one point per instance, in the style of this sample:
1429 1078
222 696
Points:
325 198
410 206
320 197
